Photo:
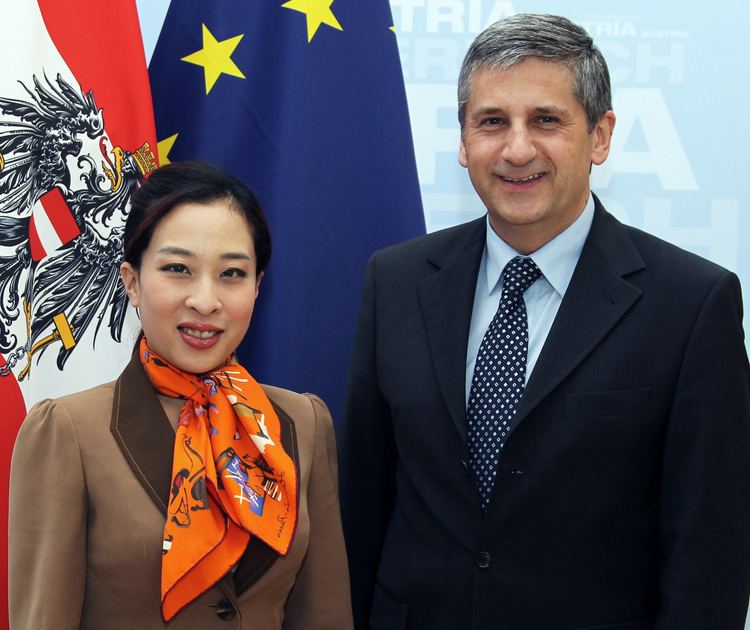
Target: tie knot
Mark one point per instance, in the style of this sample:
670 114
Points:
519 274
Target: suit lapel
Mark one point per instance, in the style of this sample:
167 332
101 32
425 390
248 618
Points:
447 299
597 297
146 439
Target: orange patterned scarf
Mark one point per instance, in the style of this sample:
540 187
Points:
231 477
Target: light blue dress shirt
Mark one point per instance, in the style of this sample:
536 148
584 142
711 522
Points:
556 260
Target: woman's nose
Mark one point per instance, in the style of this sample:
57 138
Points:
203 297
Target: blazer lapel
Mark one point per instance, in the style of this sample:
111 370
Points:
447 299
597 297
143 432
146 438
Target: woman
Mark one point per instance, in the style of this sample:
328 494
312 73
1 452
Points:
183 493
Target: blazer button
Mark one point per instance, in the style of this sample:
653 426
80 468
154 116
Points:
465 467
225 610
484 559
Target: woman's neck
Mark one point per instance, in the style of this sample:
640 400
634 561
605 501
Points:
171 408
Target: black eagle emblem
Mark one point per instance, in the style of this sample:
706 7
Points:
54 141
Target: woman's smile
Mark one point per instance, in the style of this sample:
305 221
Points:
199 335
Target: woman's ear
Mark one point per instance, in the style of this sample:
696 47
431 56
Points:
258 278
129 278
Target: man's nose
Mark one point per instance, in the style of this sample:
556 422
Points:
519 148
203 297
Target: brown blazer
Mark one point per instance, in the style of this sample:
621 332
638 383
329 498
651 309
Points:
89 485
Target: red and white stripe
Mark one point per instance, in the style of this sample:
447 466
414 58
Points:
52 225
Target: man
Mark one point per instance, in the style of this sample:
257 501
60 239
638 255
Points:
548 416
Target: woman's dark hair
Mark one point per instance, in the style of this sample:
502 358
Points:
190 182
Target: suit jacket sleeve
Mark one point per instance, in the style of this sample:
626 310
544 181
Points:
47 523
368 459
320 597
705 577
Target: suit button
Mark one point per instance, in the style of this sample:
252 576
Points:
465 467
225 610
483 559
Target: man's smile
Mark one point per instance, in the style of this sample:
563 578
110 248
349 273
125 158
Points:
522 180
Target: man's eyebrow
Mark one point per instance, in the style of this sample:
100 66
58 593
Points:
551 109
489 110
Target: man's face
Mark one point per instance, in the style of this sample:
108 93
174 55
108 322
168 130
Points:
528 150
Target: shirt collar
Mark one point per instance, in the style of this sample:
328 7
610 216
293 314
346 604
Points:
556 260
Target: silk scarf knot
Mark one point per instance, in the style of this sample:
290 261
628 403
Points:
231 477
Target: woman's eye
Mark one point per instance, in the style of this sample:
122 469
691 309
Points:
234 273
175 268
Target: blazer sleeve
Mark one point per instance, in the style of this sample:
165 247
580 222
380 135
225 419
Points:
320 597
705 511
47 523
368 458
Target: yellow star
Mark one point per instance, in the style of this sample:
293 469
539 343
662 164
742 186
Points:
317 11
216 58
163 147
393 28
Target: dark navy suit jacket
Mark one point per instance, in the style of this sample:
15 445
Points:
623 492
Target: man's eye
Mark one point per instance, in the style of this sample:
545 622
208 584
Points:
175 268
547 120
492 121
234 272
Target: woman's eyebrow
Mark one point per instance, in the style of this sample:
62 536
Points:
181 251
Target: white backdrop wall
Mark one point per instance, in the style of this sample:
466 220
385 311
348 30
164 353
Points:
680 83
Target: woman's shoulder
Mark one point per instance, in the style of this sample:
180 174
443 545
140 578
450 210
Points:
314 437
289 400
303 409
77 407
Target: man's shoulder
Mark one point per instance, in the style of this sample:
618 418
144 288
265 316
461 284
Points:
671 259
445 242
642 251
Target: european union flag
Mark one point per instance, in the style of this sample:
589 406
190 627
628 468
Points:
304 101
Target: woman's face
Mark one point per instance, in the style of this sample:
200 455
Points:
196 287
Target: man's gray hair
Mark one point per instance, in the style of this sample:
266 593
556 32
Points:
512 40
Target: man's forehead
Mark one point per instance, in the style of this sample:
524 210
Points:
528 64
528 80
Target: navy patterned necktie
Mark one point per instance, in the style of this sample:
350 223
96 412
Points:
499 376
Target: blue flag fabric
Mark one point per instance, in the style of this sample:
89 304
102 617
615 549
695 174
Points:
304 101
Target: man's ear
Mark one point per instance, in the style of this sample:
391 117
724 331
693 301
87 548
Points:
462 153
602 138
129 278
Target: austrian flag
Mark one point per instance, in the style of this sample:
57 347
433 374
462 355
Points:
76 138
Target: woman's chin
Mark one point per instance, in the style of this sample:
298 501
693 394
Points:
199 361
